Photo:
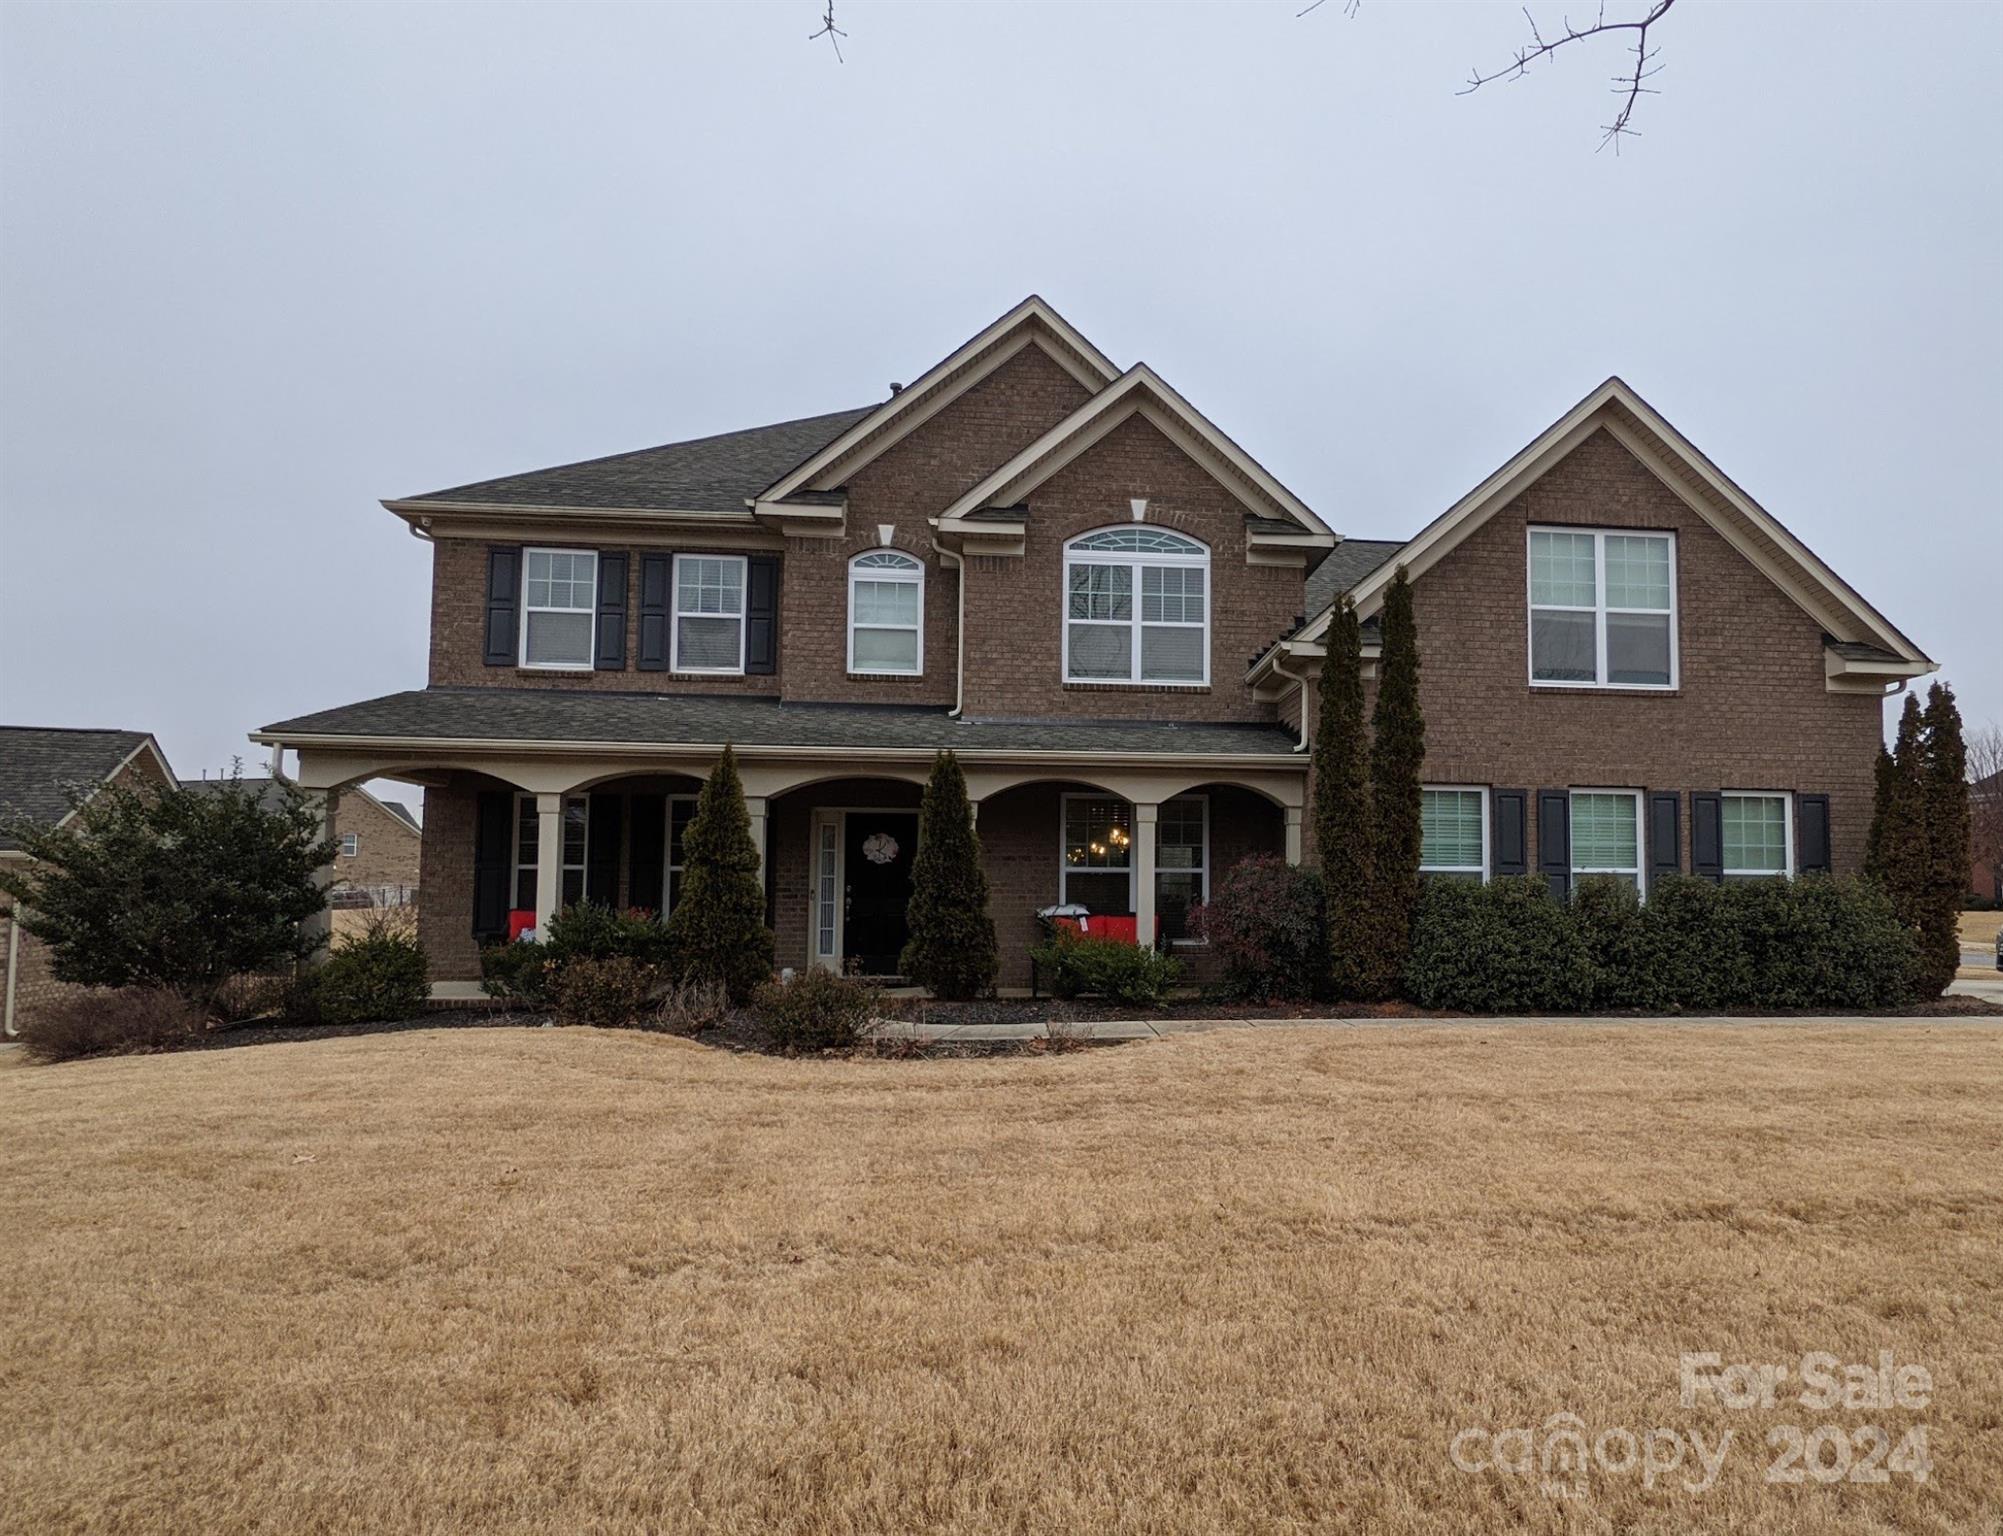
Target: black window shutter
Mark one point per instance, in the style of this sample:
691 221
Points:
1707 834
504 604
655 573
493 862
761 614
1508 856
612 612
646 851
601 863
1811 818
1665 835
1554 839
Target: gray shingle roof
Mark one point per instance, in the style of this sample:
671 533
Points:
553 714
1347 564
1858 650
38 762
704 474
266 789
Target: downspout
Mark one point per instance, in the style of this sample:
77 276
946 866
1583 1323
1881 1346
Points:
955 562
1301 683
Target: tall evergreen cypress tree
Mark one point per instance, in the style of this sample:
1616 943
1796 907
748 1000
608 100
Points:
1397 752
1945 870
1343 839
717 930
1897 847
952 946
1885 786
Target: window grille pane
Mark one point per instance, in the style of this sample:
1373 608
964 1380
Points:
1151 541
710 586
1604 834
886 560
886 602
559 639
1637 572
1101 592
1171 655
680 814
575 812
1561 570
1450 829
1099 892
1101 651
1098 834
1638 648
709 644
1755 834
1171 594
1179 835
886 650
1562 647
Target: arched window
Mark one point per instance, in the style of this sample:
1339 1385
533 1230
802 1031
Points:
1136 608
886 614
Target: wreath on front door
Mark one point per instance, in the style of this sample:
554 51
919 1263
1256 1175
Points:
879 848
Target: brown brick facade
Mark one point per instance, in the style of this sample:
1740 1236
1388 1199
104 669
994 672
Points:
386 846
1751 710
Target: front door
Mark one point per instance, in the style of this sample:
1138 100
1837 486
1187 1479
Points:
876 868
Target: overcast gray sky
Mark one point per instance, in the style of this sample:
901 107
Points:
262 265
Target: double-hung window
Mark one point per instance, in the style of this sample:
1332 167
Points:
1182 860
1453 833
559 607
1606 834
351 844
1137 608
1758 834
528 847
886 613
1602 609
681 811
1096 869
709 614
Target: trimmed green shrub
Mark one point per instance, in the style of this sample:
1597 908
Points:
1267 927
717 930
111 1022
1607 913
817 1010
373 977
952 944
589 930
520 973
1503 947
1108 968
604 992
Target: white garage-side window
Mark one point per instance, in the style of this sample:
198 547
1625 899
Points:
1137 608
886 614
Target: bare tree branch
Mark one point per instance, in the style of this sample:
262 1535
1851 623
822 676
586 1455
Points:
831 32
1350 8
1630 84
1985 800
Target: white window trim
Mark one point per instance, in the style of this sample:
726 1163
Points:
1135 560
675 615
1786 798
1463 869
914 576
351 844
1600 610
668 864
583 866
522 658
1640 870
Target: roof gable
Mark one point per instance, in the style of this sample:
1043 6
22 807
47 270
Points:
1753 531
1140 391
1030 323
38 763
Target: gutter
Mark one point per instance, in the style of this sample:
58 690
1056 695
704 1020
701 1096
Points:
1301 683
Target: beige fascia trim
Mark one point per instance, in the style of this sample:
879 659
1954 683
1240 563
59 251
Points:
1009 757
1140 390
938 386
1843 675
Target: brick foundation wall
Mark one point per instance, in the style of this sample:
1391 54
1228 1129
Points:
1750 712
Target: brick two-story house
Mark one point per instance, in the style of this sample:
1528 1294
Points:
1113 614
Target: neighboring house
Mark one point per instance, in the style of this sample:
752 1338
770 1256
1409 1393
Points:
38 765
1985 836
377 843
1113 614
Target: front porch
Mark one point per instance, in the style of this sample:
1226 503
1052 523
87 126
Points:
1130 819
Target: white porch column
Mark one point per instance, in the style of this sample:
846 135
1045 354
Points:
755 805
321 924
1293 833
1144 872
549 859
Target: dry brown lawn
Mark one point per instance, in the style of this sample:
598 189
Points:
1978 929
1247 1281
